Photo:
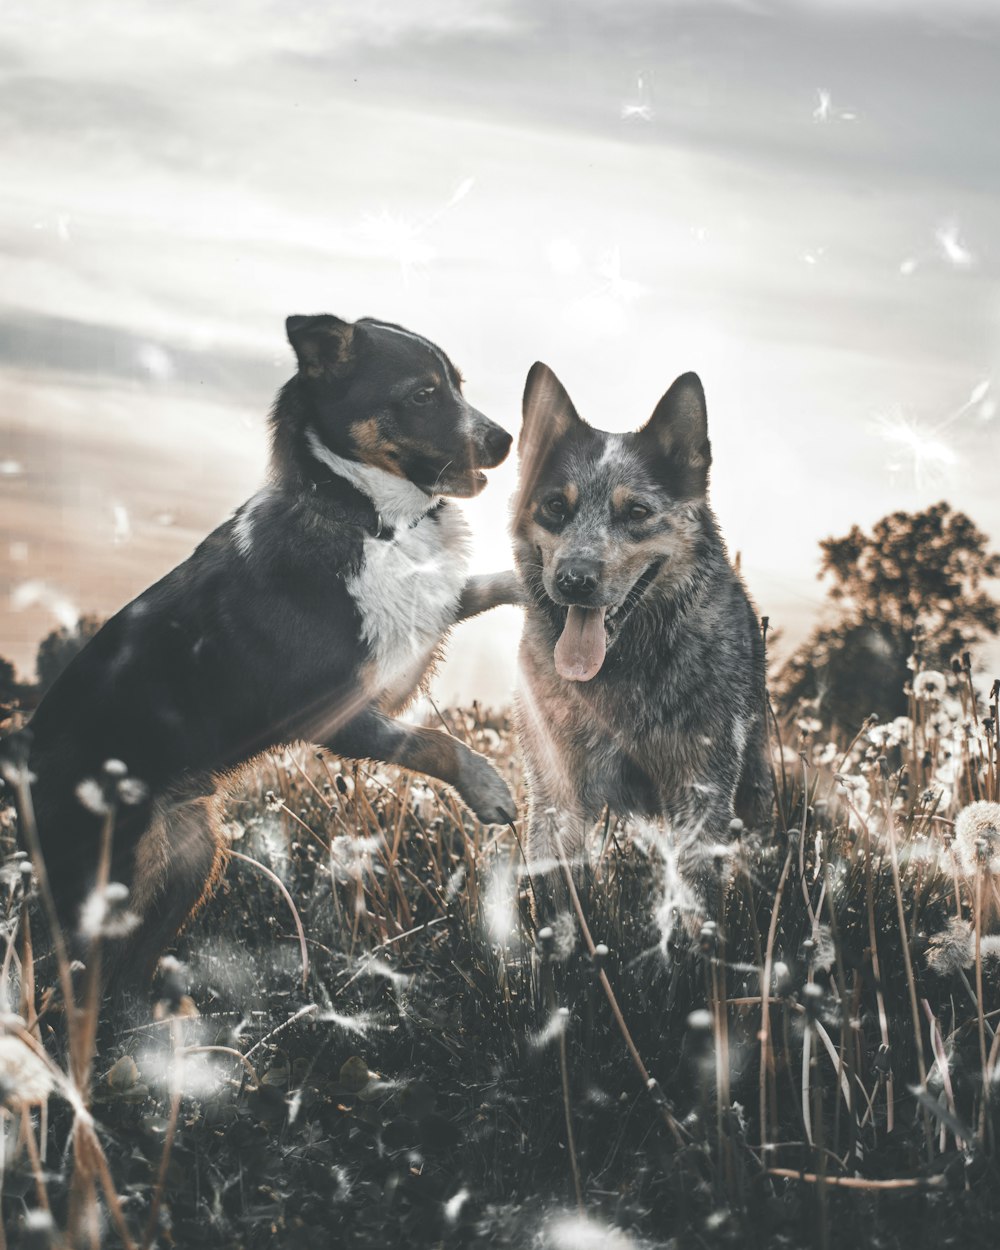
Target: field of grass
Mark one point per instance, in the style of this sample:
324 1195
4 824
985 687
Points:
391 1055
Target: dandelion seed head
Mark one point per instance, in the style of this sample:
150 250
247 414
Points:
951 949
104 914
24 1078
977 837
930 685
90 794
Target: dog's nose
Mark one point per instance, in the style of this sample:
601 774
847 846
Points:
498 443
577 579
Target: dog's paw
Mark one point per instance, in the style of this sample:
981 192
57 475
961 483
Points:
486 794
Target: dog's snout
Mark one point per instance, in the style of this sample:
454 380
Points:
498 442
578 579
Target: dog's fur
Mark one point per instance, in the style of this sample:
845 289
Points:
313 613
618 549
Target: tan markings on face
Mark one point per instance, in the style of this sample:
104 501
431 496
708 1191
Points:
374 448
620 497
572 493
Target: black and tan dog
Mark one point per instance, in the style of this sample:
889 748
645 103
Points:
642 661
313 613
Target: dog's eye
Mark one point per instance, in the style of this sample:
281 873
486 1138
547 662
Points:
638 512
423 396
555 508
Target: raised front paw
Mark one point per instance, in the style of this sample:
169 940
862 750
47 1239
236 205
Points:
485 793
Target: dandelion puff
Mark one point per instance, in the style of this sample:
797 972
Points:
989 946
553 1029
929 685
453 1207
977 837
24 1078
939 725
104 914
131 791
581 1232
951 950
90 793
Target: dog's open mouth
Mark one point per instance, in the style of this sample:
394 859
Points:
588 632
460 485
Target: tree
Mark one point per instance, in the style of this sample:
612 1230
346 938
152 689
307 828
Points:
917 572
59 647
9 687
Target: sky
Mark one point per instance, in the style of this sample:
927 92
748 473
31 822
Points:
799 200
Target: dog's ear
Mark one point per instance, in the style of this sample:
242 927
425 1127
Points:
547 413
323 345
678 430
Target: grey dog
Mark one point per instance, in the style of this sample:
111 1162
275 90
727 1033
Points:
642 661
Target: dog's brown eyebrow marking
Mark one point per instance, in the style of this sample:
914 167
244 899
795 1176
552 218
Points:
620 496
572 493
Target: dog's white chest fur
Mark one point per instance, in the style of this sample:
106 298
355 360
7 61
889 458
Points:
407 593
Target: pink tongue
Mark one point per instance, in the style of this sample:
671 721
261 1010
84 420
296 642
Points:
582 645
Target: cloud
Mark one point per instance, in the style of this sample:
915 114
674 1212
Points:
48 345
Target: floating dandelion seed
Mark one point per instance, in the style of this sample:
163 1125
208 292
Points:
564 257
156 362
400 238
41 594
977 837
821 112
362 1024
123 526
552 1030
640 107
824 110
453 1207
952 247
624 290
930 457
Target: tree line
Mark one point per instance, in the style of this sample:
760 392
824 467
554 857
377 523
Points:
917 582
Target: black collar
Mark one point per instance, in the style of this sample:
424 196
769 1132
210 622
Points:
347 504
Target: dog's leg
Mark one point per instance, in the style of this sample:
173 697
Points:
755 793
556 842
177 863
374 736
489 590
701 817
